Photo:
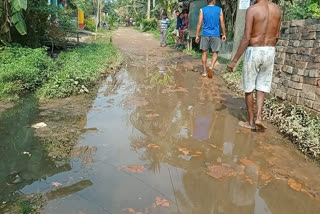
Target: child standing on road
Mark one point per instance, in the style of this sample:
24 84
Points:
176 34
165 23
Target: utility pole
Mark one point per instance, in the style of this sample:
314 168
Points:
243 5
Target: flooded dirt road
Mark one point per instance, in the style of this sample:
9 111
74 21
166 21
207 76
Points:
164 140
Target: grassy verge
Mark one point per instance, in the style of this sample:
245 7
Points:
294 122
26 204
23 70
76 71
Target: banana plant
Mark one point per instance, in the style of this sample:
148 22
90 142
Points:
17 6
12 13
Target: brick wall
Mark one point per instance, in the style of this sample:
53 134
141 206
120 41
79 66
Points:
297 64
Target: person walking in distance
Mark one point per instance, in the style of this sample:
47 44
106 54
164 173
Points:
263 20
212 17
165 23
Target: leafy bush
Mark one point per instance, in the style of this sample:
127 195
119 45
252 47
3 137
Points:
172 27
22 69
78 70
304 10
149 24
112 22
89 25
73 72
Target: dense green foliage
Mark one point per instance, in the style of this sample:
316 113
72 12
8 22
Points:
303 10
89 25
25 69
78 70
137 9
149 24
42 22
22 69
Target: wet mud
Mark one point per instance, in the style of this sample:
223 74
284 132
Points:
161 139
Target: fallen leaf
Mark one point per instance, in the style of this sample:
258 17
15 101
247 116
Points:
199 153
130 210
152 145
216 147
213 146
294 185
247 162
218 172
248 179
138 101
134 168
162 202
265 177
185 151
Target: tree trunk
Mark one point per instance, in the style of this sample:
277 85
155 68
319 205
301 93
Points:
5 33
98 18
148 10
154 3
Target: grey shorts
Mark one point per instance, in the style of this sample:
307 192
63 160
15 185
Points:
257 69
210 42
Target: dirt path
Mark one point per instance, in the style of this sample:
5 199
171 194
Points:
164 140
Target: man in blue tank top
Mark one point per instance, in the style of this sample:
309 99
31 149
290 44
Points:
212 17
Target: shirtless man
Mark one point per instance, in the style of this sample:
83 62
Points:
262 29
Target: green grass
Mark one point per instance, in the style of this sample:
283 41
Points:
25 70
76 71
21 70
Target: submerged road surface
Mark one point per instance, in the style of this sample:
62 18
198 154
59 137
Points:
167 141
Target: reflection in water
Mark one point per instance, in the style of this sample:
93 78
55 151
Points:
176 132
193 121
16 138
69 190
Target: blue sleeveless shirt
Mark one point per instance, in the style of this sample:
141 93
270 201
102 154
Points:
211 21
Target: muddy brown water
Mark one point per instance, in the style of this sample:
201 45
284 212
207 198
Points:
160 139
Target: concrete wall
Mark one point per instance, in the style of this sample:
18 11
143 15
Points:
297 64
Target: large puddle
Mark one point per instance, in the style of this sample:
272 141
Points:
163 141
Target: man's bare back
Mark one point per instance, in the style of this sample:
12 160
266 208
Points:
266 24
263 21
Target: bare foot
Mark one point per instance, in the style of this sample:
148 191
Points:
260 126
245 125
